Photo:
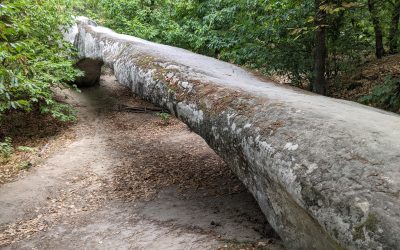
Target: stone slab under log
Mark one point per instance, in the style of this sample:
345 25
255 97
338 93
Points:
92 71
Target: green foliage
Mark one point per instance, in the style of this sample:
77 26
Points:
386 95
60 111
165 117
25 149
251 33
34 59
276 37
6 148
88 8
25 165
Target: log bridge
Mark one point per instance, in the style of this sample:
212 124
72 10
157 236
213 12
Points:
325 172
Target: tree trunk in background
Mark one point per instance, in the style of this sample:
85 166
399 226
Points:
394 28
320 51
379 49
335 26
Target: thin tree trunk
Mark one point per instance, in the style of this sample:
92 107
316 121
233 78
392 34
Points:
394 28
379 49
320 51
334 30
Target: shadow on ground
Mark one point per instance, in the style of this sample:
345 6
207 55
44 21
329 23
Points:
129 182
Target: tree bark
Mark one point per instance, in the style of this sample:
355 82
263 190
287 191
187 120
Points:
394 28
320 51
379 49
335 26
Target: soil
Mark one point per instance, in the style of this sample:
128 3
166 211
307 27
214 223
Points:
40 135
125 180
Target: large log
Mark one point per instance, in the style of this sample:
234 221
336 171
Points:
325 172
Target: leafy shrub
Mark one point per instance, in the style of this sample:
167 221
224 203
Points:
25 149
34 58
6 148
60 111
274 37
165 118
386 95
25 165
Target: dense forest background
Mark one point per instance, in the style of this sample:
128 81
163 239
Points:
325 46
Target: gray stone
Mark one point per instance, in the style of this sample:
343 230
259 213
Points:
325 172
92 71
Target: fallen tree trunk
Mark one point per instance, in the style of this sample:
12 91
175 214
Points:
325 172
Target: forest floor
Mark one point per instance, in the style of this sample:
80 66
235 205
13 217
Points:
122 180
357 83
360 82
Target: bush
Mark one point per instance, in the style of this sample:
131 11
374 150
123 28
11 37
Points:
386 95
165 118
34 58
6 148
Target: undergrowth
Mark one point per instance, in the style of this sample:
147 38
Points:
386 95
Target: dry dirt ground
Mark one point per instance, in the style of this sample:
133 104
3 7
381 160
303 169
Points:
125 181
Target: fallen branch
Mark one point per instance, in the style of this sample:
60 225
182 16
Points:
122 107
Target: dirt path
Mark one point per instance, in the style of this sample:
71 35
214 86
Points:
128 182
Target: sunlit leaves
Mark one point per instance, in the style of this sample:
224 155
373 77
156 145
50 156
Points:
274 36
33 57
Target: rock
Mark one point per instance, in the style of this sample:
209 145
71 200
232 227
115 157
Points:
325 172
92 71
